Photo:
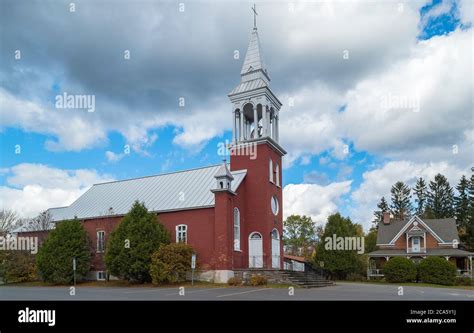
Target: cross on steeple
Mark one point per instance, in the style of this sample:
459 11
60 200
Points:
254 8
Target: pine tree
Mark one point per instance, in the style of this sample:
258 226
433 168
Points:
441 197
401 205
468 237
420 190
461 202
382 208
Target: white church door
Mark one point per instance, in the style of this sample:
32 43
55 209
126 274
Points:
255 250
275 249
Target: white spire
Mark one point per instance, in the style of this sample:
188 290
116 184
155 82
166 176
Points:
253 59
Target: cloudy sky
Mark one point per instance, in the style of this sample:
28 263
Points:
382 91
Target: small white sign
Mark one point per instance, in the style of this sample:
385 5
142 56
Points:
74 264
193 261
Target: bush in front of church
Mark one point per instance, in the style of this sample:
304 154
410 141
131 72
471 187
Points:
399 269
55 257
17 266
258 280
171 263
132 243
437 270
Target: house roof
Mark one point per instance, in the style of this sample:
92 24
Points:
188 189
445 228
448 251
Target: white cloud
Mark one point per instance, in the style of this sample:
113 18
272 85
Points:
313 200
113 157
377 183
32 188
433 76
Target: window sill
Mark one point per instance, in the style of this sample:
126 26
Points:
236 250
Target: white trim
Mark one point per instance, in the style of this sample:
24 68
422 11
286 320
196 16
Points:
97 275
185 231
270 167
409 223
238 234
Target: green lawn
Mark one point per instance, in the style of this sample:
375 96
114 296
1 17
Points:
413 284
121 283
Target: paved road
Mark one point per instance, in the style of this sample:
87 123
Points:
341 291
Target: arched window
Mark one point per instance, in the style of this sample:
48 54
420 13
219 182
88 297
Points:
277 175
182 233
270 171
236 229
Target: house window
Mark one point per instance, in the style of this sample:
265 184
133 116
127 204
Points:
270 166
236 229
100 241
182 233
101 276
277 175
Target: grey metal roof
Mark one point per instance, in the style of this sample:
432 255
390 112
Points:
452 252
253 59
248 86
224 172
188 189
445 228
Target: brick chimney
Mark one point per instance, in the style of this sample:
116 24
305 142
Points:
386 218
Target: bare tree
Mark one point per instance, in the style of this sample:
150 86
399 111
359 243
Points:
9 221
43 221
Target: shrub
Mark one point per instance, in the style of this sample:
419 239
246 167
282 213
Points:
464 281
55 256
17 266
132 243
437 270
234 281
171 263
399 269
258 280
355 277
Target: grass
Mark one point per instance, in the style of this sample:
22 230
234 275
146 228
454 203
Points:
413 284
122 283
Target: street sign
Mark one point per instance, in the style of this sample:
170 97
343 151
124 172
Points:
74 264
193 266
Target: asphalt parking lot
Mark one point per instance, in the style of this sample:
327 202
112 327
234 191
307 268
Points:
341 291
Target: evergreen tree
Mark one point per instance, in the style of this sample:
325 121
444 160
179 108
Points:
401 205
420 190
441 197
468 236
54 260
461 202
339 262
382 208
132 243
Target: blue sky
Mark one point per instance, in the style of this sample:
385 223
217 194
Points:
137 100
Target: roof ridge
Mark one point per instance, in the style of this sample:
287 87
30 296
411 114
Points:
157 175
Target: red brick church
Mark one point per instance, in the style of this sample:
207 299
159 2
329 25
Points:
231 214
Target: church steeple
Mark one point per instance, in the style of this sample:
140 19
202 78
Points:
255 106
